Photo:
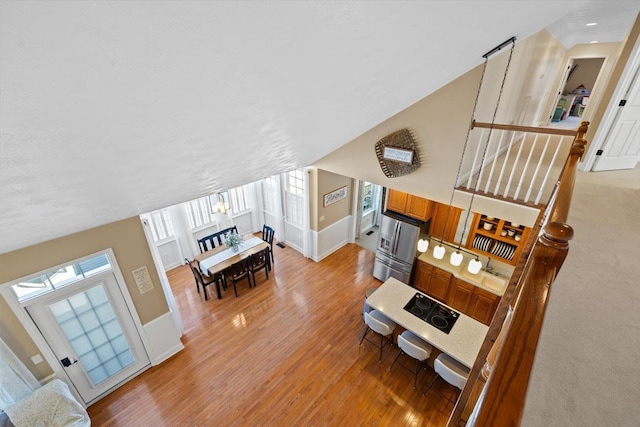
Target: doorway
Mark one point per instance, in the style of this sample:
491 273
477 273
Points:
368 214
83 324
574 96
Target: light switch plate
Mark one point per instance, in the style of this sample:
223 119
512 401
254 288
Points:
36 359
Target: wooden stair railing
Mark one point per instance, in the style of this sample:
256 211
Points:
495 392
519 164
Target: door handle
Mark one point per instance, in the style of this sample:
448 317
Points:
66 362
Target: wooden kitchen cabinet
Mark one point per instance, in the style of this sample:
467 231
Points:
396 201
432 281
444 219
422 278
409 205
497 238
473 301
439 285
460 294
483 306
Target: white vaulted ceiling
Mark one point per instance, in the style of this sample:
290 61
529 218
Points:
112 109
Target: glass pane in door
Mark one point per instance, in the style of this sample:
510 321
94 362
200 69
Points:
89 323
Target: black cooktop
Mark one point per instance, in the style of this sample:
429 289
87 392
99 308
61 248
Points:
432 312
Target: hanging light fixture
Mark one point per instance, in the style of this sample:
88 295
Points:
218 203
456 258
474 266
439 251
423 245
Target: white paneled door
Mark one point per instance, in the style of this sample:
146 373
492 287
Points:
92 334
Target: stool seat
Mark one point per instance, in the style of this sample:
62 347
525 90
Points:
380 324
366 308
450 370
414 347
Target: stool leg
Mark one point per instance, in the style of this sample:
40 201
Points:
365 334
415 374
435 377
394 360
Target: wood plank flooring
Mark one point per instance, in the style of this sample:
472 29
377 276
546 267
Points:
284 353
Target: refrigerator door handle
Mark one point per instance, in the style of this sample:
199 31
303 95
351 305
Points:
396 238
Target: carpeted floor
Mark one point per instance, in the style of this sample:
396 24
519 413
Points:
587 368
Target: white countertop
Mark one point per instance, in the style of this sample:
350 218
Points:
496 284
462 343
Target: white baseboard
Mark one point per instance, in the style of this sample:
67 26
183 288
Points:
330 239
163 337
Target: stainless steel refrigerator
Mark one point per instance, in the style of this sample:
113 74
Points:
396 248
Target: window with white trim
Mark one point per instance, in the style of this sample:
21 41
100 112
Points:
199 213
269 187
161 225
238 199
294 196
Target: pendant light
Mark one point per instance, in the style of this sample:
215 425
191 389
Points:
439 251
456 258
474 266
423 245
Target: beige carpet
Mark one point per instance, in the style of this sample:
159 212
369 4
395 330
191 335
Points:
587 369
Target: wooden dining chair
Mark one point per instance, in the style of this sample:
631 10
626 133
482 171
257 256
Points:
201 281
238 272
267 236
206 243
257 262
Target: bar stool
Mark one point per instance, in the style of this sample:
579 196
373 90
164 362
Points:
378 323
366 308
450 370
414 347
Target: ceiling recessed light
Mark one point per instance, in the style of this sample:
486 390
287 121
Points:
591 24
593 41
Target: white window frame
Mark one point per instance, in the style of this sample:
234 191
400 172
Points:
294 197
164 225
199 214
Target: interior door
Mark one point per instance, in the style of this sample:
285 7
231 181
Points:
90 330
622 145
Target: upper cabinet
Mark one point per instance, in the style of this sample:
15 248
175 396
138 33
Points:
409 205
444 222
497 238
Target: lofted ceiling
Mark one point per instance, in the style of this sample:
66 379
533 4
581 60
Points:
112 109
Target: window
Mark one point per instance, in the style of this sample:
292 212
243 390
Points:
367 202
294 196
198 213
161 225
238 199
269 187
60 277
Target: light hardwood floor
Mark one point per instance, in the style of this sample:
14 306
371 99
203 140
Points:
282 354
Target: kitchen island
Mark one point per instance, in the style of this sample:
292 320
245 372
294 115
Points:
462 342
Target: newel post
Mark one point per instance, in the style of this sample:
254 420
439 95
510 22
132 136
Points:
502 400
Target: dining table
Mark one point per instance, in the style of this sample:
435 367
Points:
217 260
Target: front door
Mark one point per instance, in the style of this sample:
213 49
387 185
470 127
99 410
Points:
91 332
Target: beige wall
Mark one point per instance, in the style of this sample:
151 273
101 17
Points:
439 121
327 182
130 247
584 74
